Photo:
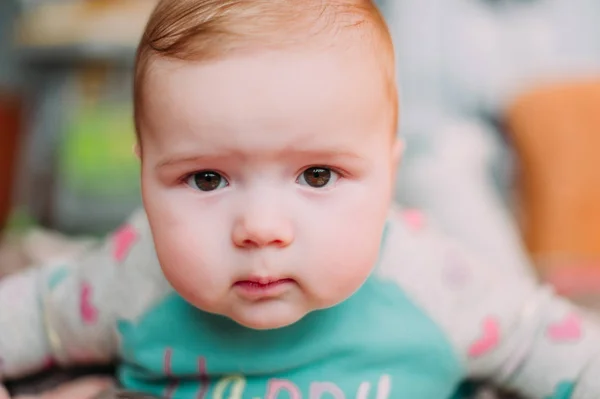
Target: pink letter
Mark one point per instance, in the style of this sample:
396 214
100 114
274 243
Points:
318 389
276 385
363 390
384 388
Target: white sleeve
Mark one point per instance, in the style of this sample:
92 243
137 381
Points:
502 323
66 312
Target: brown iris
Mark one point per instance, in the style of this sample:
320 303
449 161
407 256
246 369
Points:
317 177
208 181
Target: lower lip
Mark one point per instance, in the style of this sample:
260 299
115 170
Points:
254 290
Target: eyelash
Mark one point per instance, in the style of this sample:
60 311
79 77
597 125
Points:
339 171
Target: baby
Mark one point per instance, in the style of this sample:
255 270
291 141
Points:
269 261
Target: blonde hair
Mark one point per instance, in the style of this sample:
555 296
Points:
200 30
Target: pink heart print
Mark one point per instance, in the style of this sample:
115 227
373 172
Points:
123 240
488 340
414 219
89 313
567 329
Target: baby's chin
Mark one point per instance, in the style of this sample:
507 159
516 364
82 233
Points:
274 314
267 316
266 324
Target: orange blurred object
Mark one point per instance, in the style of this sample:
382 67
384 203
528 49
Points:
94 22
556 132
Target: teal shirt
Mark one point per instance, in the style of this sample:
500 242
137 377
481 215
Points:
375 345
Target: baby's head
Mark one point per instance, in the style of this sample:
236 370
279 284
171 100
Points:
266 130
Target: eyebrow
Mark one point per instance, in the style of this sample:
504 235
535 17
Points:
174 160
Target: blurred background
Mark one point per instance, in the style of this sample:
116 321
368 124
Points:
499 110
65 82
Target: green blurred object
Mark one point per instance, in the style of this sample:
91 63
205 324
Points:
96 156
19 221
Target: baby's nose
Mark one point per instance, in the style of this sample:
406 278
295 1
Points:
261 229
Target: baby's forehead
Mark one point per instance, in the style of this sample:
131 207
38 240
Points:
277 83
266 102
182 31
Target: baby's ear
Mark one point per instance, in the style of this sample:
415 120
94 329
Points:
137 150
397 152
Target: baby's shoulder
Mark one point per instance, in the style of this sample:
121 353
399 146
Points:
435 271
415 251
419 256
457 290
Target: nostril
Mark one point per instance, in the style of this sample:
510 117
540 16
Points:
249 243
249 235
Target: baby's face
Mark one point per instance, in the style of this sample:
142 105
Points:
267 179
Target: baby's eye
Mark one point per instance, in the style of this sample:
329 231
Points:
318 177
207 180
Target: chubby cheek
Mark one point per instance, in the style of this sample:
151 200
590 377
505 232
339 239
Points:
190 269
347 266
190 248
348 242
